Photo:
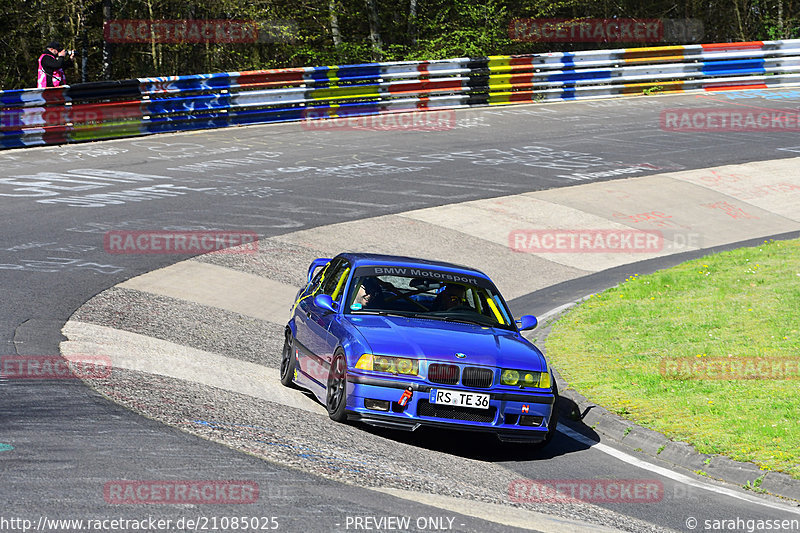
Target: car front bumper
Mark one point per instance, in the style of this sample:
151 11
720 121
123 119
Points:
513 415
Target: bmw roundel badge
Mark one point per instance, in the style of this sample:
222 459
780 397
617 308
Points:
461 355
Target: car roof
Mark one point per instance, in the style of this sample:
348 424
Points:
362 259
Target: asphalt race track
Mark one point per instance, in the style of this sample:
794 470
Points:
70 442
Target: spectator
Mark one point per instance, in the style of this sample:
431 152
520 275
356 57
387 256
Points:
51 66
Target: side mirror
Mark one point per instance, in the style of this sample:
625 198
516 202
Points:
315 264
324 301
527 322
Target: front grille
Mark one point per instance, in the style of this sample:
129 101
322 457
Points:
425 408
480 378
444 374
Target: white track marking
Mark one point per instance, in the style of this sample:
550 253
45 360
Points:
680 478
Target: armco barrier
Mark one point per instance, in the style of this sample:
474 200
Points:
104 110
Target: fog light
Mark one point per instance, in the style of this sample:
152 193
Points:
376 405
531 420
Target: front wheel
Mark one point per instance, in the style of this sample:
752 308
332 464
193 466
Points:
288 362
336 397
553 425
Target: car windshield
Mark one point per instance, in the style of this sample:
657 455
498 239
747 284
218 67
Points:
427 293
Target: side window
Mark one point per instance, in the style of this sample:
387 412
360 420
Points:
317 278
334 279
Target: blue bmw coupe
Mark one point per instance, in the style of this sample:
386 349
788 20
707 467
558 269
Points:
401 343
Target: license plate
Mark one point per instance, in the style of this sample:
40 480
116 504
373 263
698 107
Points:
458 398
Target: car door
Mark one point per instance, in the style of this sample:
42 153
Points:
300 311
314 322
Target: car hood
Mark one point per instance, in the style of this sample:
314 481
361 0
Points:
437 340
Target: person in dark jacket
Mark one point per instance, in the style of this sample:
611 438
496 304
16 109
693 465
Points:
52 64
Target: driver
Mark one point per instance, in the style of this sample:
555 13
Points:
453 295
368 292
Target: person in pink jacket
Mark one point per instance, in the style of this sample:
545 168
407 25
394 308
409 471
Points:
51 66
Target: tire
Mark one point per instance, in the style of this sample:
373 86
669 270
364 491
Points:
288 362
336 391
553 425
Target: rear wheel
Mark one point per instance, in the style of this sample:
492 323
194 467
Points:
336 396
288 362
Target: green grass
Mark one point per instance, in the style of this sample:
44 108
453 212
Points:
755 486
739 304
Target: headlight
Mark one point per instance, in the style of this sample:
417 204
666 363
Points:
390 365
509 377
522 378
